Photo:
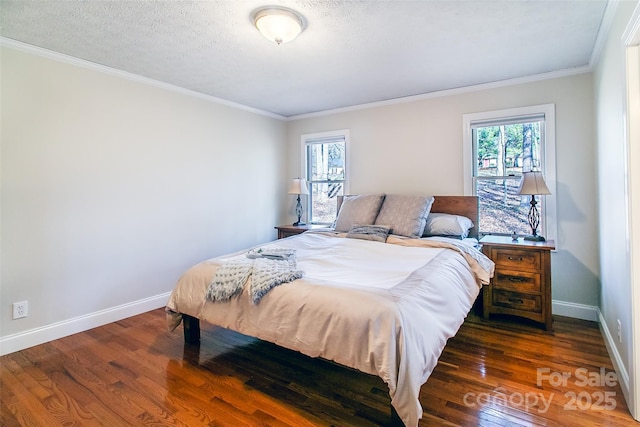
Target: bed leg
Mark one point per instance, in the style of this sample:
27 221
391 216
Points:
395 420
191 327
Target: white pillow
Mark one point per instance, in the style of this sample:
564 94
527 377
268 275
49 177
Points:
406 215
356 210
447 225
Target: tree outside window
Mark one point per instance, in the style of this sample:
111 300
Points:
325 157
503 153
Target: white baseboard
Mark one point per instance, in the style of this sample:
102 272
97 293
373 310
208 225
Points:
577 311
54 331
614 355
26 339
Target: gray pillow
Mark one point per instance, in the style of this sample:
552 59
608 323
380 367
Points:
377 233
447 225
406 215
358 210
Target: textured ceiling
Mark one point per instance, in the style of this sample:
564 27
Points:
351 53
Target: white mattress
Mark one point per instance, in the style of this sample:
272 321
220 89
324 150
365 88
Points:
383 308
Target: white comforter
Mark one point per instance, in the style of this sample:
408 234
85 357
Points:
384 309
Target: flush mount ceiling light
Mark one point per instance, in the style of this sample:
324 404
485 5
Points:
278 24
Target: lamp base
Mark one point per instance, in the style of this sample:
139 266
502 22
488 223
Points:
535 238
299 223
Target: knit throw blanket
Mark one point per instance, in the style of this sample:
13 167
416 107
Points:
231 277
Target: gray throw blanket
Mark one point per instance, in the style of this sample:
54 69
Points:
231 277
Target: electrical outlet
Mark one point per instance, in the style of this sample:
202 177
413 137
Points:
619 331
20 309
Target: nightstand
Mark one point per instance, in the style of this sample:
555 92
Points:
521 284
292 230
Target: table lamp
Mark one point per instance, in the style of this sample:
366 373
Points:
299 186
533 184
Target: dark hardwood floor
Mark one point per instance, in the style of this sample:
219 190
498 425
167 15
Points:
134 373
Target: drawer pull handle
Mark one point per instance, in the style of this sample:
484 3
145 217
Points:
517 279
516 301
515 258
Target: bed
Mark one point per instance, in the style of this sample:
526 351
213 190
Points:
382 303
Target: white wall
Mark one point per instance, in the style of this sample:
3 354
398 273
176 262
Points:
610 103
416 147
111 188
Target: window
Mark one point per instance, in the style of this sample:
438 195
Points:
325 166
499 147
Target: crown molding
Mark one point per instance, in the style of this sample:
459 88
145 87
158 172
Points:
56 56
631 34
603 31
60 57
449 92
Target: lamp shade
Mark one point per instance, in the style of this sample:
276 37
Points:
298 186
278 24
532 183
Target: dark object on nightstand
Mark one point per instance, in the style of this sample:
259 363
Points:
521 284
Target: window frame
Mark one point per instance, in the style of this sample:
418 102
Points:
548 214
320 138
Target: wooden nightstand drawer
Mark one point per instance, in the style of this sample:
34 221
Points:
517 258
291 230
517 281
516 301
521 283
285 233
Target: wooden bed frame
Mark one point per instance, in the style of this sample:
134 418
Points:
456 205
459 205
